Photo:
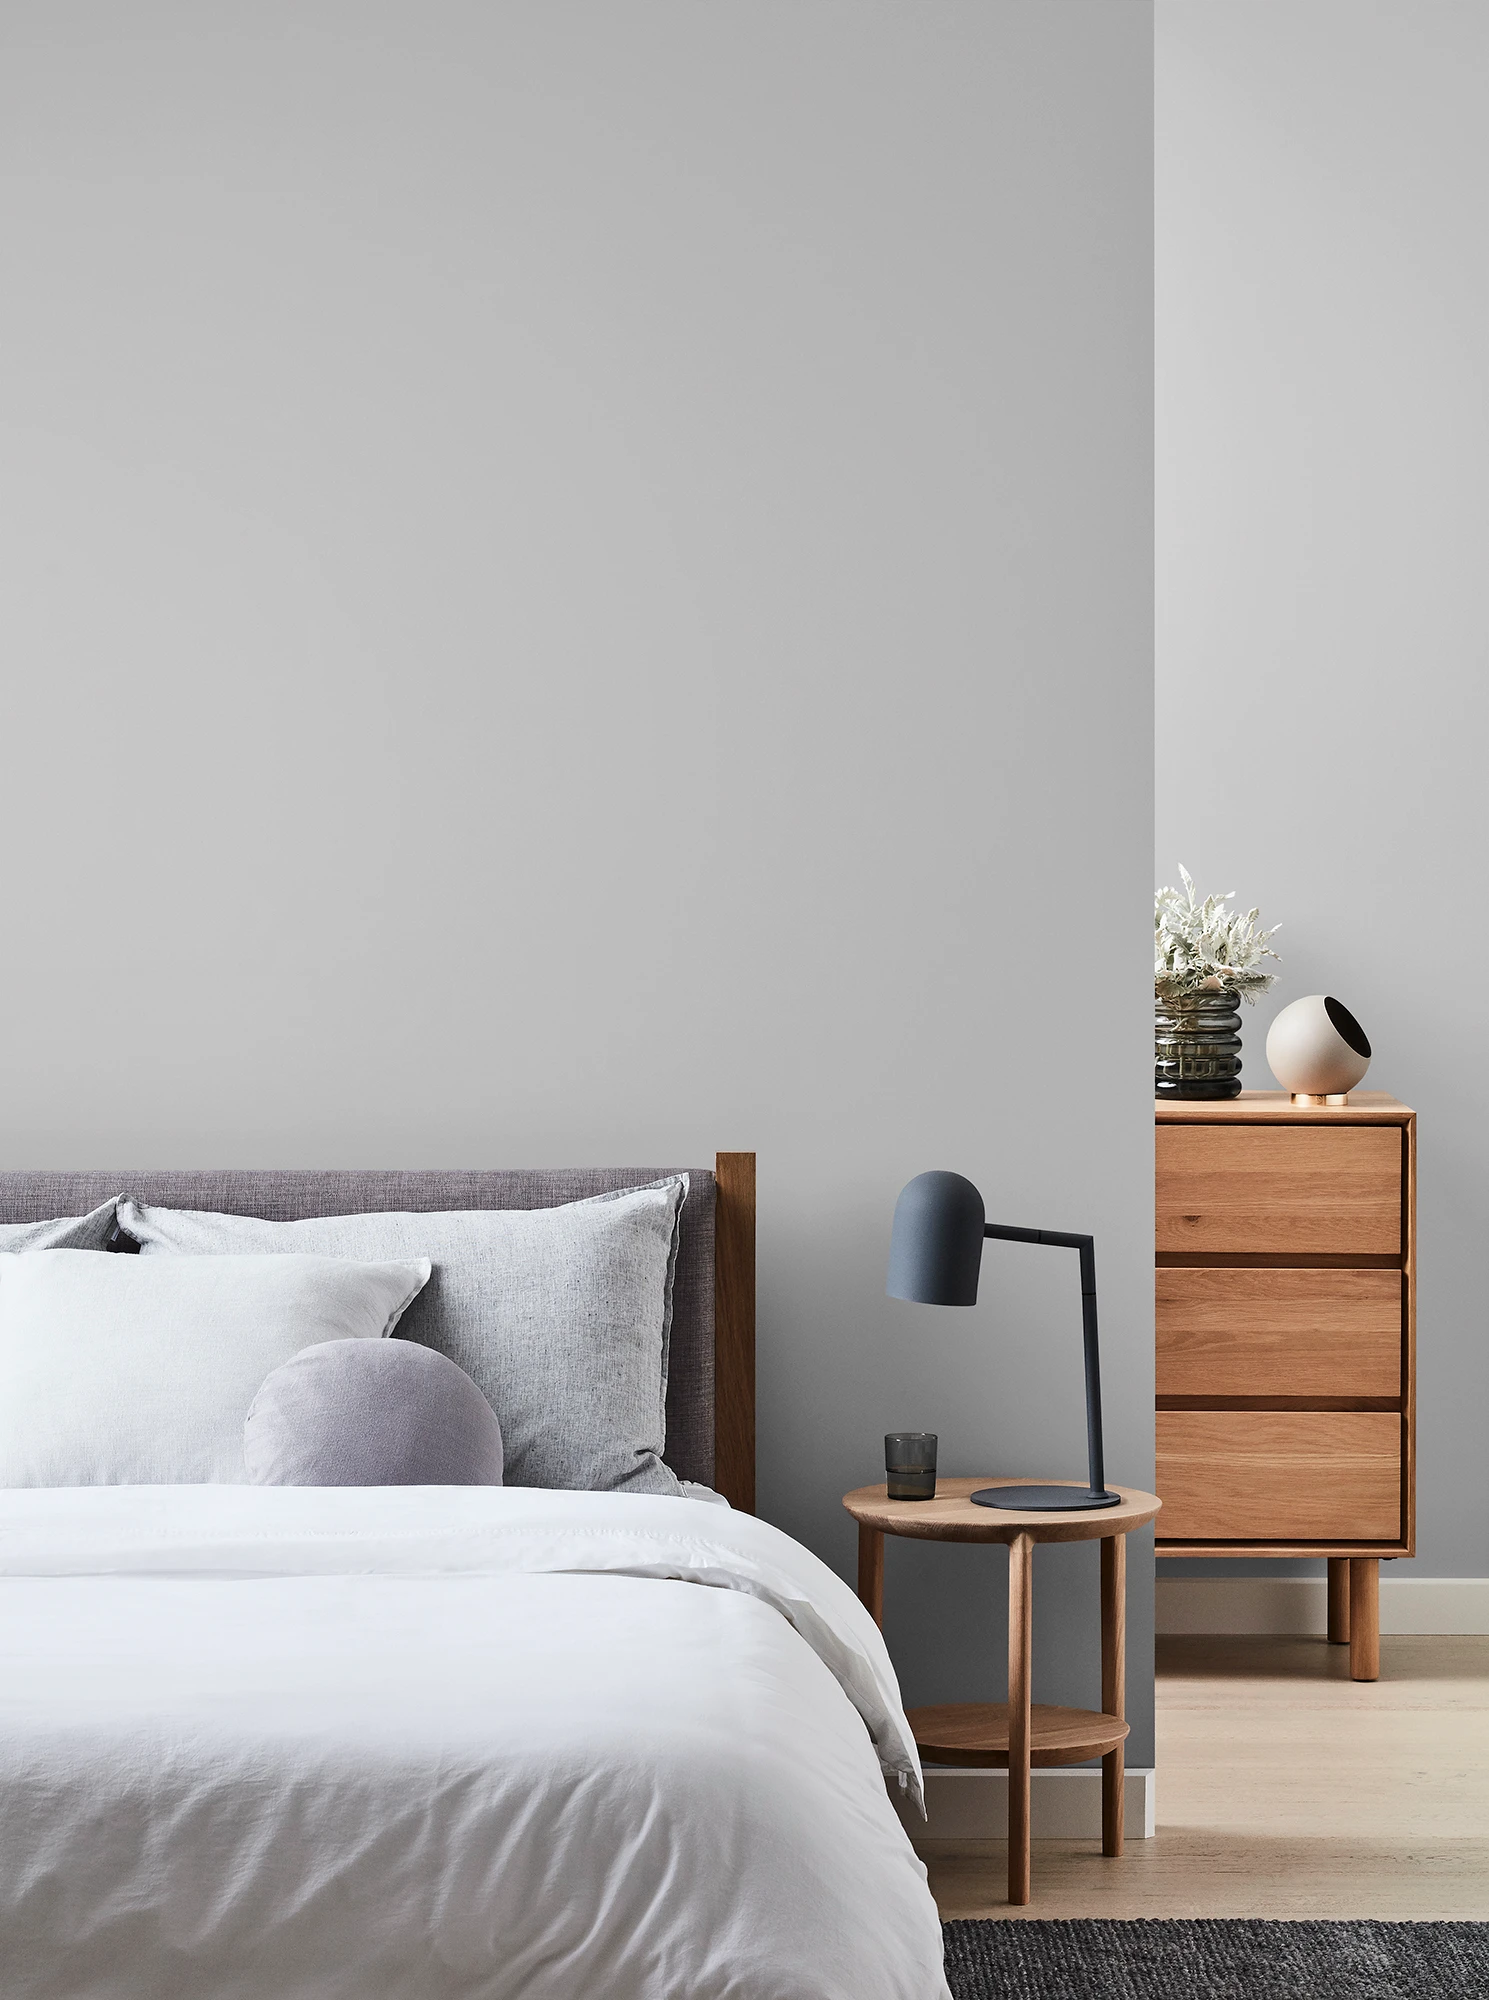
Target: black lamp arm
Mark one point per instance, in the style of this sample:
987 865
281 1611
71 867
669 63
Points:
1086 1245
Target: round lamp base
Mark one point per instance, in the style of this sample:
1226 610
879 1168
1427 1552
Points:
1043 1499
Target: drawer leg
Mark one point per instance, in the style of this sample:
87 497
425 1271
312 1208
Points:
1364 1618
1339 1600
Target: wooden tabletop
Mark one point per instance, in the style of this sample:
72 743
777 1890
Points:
1268 1107
951 1517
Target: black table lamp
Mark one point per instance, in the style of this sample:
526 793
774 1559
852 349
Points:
935 1253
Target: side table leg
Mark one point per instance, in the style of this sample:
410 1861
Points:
871 1572
1339 1600
1364 1618
1113 1684
1020 1676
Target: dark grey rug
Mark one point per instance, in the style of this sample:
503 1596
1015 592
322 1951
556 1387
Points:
1220 1959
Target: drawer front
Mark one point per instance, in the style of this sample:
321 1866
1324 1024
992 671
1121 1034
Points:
1279 1475
1264 1189
1278 1332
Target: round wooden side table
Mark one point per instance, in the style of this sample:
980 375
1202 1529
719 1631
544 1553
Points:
1018 1733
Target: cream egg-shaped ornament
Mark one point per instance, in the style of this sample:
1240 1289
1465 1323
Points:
1317 1049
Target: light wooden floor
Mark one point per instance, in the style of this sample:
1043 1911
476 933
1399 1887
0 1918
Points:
1286 1790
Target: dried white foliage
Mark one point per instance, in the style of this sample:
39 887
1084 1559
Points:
1203 947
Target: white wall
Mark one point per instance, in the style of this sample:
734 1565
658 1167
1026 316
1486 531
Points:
583 594
1323 512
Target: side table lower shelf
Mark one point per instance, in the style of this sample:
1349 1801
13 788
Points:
975 1733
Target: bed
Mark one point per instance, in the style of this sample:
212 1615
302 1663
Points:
331 1743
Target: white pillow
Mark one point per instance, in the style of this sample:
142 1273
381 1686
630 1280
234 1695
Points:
122 1371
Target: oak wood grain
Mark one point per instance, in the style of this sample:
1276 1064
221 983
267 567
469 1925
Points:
734 1329
1015 1733
1364 1619
1338 1600
1392 1403
1245 1260
1305 1545
1287 1475
1275 1107
951 1517
1020 1720
1265 1188
975 1733
1279 1332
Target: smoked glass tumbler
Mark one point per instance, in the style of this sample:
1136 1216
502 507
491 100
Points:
910 1464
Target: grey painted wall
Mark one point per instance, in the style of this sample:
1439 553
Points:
584 594
1323 700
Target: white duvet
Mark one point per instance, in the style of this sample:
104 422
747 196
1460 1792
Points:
417 1743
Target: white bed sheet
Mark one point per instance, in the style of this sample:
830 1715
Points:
362 1744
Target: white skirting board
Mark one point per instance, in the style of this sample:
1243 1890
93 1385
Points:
1063 1805
1234 1606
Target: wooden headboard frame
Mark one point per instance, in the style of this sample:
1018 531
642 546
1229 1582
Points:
734 1328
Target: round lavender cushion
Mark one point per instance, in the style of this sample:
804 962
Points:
371 1413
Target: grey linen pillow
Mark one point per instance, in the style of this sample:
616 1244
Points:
69 1232
559 1315
371 1413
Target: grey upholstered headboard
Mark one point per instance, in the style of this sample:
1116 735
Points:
706 1418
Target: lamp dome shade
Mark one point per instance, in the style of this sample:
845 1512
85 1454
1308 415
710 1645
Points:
1316 1047
935 1247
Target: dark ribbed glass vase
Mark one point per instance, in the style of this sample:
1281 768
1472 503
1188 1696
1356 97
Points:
1197 1045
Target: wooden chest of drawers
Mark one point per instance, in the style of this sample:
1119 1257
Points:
1286 1334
